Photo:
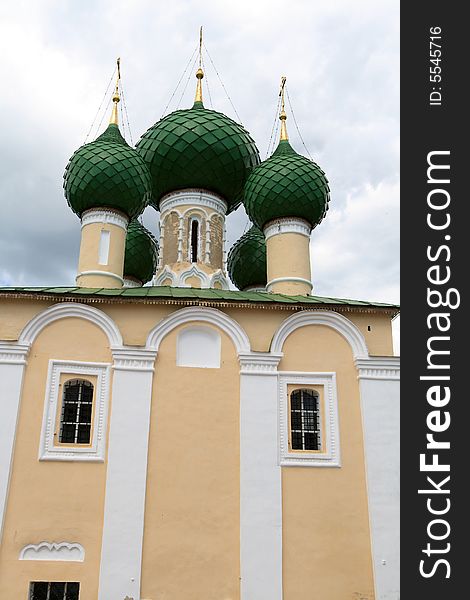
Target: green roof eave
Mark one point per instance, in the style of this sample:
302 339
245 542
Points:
154 294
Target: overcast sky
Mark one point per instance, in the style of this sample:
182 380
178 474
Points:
341 59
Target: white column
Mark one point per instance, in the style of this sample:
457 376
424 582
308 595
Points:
121 553
380 404
12 365
260 479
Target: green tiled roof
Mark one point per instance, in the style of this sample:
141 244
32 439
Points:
246 263
286 185
107 173
198 148
195 294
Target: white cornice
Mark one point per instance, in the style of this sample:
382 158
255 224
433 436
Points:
287 225
322 317
100 274
378 367
270 284
105 216
259 363
192 197
13 353
134 359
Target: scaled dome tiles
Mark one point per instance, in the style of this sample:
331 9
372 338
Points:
107 173
246 262
199 148
140 259
286 185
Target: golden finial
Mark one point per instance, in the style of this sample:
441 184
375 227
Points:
116 98
199 72
282 115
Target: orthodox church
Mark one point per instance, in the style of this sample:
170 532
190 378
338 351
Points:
166 437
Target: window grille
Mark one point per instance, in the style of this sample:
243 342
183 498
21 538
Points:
77 405
305 420
54 590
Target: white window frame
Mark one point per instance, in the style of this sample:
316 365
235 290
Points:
329 456
95 451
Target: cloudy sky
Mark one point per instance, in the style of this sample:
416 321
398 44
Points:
341 59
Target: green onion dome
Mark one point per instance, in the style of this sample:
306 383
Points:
198 148
286 185
141 254
107 173
246 263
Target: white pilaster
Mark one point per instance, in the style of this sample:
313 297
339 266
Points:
260 479
380 405
121 553
12 364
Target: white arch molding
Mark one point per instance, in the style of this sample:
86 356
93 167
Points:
322 317
66 310
206 315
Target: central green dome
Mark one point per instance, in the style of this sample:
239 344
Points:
107 173
199 148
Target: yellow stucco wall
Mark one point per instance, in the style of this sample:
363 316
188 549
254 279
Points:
191 536
326 539
192 525
48 500
89 255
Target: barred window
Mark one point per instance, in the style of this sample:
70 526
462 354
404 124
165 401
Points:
305 420
77 409
54 590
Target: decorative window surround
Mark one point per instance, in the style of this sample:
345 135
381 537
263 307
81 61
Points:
330 457
192 197
94 452
378 367
287 225
105 216
53 551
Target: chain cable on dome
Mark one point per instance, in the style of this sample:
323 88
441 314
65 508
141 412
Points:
297 127
190 62
125 110
99 107
274 129
222 84
195 61
207 82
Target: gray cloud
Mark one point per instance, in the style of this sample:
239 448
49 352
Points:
341 60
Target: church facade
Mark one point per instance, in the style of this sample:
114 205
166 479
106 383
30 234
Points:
185 440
